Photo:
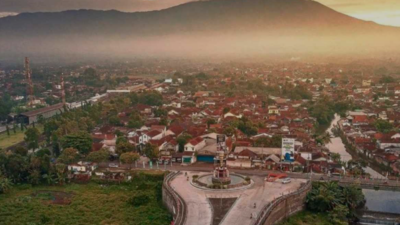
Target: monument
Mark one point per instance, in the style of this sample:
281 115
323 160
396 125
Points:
221 172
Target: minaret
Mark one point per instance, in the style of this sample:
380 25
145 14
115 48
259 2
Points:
29 88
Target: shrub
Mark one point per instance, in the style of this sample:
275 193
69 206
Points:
247 179
139 200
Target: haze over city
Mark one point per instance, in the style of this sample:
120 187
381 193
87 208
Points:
214 112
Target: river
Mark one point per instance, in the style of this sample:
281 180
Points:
337 146
377 201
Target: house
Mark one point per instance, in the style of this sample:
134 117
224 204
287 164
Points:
150 135
174 130
82 167
188 157
195 144
273 110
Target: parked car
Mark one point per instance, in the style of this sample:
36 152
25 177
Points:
286 181
160 162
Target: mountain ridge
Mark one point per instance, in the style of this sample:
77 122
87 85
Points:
213 27
191 17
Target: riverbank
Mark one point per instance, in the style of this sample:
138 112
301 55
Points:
347 152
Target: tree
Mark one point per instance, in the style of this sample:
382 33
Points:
123 147
339 215
21 151
226 110
160 112
61 170
353 197
135 121
90 73
340 202
229 131
99 156
336 157
210 121
32 138
34 177
82 141
273 142
17 168
151 151
41 119
324 138
182 140
114 120
323 197
151 98
383 126
129 158
68 155
5 184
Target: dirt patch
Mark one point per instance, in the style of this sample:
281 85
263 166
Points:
220 207
54 197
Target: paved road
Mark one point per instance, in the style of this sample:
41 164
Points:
264 173
200 210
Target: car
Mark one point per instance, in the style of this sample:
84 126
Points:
160 161
113 165
286 181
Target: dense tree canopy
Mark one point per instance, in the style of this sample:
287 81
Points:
99 156
82 141
341 202
68 155
32 138
383 126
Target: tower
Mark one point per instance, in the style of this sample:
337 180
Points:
29 89
62 90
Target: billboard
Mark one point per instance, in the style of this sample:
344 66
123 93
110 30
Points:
288 149
220 138
221 142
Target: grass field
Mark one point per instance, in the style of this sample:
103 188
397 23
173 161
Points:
89 204
307 218
7 141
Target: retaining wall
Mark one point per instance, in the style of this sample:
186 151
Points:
284 206
174 203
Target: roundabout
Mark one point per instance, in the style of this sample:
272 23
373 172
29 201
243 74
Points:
221 178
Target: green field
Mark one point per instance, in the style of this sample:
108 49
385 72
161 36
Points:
7 141
307 218
91 203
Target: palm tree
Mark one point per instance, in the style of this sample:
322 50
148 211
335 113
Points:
5 184
353 197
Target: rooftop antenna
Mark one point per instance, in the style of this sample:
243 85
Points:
28 74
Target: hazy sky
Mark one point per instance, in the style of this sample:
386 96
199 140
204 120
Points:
381 11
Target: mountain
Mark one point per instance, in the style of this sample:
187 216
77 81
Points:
228 23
